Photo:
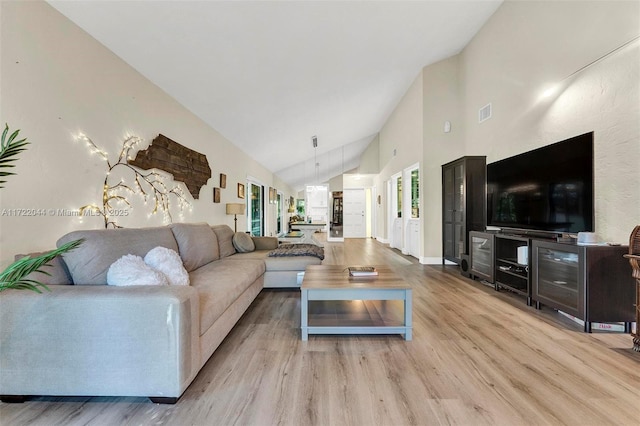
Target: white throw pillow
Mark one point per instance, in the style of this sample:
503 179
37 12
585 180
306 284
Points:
168 262
131 270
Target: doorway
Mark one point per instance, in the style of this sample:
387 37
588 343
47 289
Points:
336 220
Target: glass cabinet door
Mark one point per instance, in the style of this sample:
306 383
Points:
481 255
557 277
458 189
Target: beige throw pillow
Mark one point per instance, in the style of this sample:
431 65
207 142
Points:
197 244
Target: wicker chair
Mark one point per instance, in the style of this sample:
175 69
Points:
634 259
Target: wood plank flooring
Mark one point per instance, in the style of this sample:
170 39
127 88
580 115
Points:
477 357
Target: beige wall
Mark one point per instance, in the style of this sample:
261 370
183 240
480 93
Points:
358 181
370 159
527 47
402 132
335 183
441 103
523 49
57 81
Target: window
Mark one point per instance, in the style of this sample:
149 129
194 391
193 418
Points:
415 193
256 209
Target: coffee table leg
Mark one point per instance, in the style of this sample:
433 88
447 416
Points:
304 314
407 315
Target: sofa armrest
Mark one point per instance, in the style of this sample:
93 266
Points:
265 243
99 340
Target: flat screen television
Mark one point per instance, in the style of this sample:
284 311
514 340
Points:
549 189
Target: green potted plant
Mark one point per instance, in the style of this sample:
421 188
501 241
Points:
17 274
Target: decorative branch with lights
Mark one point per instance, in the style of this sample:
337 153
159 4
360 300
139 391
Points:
148 184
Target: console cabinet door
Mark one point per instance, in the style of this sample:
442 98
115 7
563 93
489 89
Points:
482 257
557 278
592 283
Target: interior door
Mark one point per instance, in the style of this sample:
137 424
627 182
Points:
354 207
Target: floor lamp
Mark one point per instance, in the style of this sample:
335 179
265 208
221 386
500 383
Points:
235 209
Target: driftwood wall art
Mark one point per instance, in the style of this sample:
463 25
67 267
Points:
186 165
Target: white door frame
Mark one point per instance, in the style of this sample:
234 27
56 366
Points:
392 203
374 212
247 194
406 209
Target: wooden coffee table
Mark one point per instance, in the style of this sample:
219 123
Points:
332 282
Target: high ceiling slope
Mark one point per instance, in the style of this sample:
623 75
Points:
270 75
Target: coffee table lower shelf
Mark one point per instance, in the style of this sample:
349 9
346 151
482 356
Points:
355 294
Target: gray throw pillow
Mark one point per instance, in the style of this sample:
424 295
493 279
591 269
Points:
243 242
56 268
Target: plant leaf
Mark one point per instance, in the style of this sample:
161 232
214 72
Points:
9 150
4 133
14 275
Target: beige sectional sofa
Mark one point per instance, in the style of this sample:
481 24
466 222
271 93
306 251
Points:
93 339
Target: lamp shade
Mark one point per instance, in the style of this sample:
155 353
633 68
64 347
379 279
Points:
235 208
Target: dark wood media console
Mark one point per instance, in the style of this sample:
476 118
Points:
591 282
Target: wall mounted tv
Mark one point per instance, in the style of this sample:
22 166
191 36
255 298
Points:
548 189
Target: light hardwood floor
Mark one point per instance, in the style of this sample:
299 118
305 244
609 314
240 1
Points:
477 357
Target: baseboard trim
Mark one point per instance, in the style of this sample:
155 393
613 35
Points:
382 240
434 261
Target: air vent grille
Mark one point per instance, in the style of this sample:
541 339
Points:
484 113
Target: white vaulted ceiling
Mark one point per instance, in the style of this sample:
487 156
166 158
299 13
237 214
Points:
268 75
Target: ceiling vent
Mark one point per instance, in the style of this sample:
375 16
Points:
484 113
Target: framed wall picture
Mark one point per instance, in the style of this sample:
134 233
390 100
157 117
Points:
216 195
240 190
223 180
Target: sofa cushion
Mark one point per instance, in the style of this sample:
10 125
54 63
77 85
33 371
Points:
57 270
243 242
89 263
293 263
220 283
197 243
131 270
169 263
265 243
225 240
